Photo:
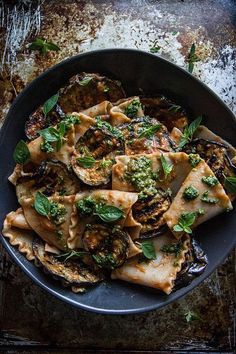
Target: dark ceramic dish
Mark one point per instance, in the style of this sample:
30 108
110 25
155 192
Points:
136 69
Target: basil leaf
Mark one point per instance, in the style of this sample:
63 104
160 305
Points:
148 249
49 134
189 131
178 228
108 213
191 316
21 153
85 81
192 58
86 161
43 46
174 108
41 204
230 184
150 131
187 219
167 167
50 103
155 49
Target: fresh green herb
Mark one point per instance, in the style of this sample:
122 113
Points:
139 173
174 248
206 199
191 316
210 181
41 204
45 146
86 161
194 159
52 210
21 153
101 124
50 103
230 184
106 89
189 131
192 58
155 49
43 46
148 132
132 109
70 120
148 249
51 135
86 206
185 221
174 33
166 166
108 213
174 108
85 81
71 254
190 193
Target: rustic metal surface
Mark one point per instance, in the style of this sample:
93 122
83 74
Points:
31 319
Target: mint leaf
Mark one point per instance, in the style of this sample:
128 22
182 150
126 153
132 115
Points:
166 166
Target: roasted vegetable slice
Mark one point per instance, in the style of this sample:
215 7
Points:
93 174
194 265
38 121
73 272
149 213
166 111
51 178
85 90
145 135
215 154
108 245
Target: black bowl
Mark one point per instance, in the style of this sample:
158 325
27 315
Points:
136 70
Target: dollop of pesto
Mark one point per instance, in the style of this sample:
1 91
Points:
139 173
57 213
190 193
211 181
194 159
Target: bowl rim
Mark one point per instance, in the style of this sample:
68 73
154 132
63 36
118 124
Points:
24 267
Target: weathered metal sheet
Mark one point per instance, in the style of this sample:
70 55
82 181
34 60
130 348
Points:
29 316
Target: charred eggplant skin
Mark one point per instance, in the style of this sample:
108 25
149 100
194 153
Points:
72 272
194 265
215 154
149 212
108 245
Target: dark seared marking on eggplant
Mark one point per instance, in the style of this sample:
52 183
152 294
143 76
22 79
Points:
166 111
51 177
73 272
37 121
108 245
134 144
194 265
215 154
149 213
76 97
99 143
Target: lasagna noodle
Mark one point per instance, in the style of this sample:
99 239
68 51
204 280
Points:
117 113
101 109
19 233
180 205
45 228
159 273
179 160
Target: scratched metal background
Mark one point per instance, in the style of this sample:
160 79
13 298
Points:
30 319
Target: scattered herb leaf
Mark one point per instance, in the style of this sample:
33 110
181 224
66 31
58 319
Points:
43 46
21 153
166 166
108 213
50 103
86 161
42 204
148 132
174 108
189 131
85 81
230 184
155 49
148 249
132 109
191 316
185 221
71 254
192 58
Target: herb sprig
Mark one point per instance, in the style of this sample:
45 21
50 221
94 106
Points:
192 58
185 221
230 184
71 254
86 161
43 46
149 131
148 249
21 153
189 131
166 166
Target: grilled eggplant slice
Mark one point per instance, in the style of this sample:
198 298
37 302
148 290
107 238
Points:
99 143
166 111
194 265
215 154
37 121
149 213
145 135
108 245
72 272
51 178
86 90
